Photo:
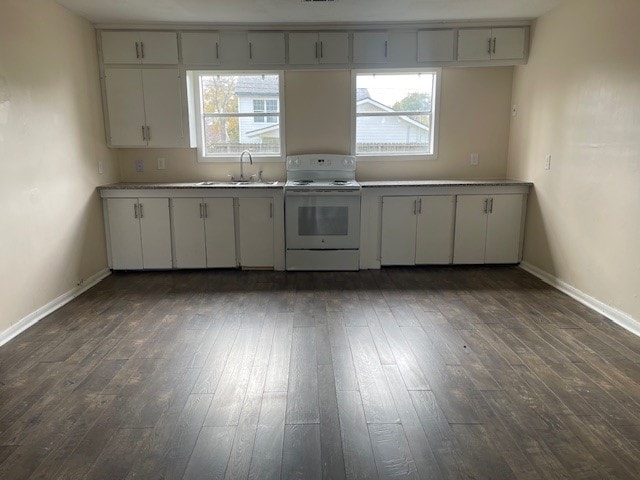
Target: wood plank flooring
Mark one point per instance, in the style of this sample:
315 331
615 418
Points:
431 373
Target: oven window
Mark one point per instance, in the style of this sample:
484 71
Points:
323 221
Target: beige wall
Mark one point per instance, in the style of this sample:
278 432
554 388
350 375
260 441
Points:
579 100
474 117
51 139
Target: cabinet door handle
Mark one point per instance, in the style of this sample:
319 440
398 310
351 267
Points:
206 210
494 45
271 210
137 51
148 133
321 50
135 210
201 214
386 48
415 207
316 49
420 206
217 50
141 210
486 205
491 205
142 49
250 51
489 48
144 137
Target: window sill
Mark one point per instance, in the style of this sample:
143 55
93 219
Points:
236 159
395 157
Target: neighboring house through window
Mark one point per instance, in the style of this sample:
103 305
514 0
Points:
395 113
224 111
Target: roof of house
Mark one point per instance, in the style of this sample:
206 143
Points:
257 84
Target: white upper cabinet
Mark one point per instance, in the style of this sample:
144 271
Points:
200 48
266 48
312 48
370 47
402 47
491 44
144 107
139 47
436 46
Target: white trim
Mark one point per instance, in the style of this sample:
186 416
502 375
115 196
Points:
34 317
623 319
435 114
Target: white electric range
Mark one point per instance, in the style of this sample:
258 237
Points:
322 213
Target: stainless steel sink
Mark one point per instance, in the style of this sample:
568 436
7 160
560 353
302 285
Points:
237 183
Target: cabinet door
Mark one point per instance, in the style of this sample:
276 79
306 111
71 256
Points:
220 232
503 229
474 44
188 233
398 245
256 232
124 234
156 232
200 48
303 48
402 48
159 47
334 47
121 47
266 48
471 229
163 107
125 106
370 47
234 48
434 237
509 43
435 46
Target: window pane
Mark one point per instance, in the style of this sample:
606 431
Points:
232 135
394 92
393 134
380 128
235 93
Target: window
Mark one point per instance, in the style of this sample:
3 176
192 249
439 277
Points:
395 113
223 107
266 106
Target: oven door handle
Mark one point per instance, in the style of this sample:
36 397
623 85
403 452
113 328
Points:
323 193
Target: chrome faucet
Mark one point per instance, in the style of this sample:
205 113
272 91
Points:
250 161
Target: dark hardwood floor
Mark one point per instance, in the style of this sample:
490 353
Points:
482 373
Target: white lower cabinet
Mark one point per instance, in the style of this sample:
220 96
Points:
255 222
488 229
139 233
203 232
417 230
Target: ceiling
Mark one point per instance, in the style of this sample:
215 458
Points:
221 12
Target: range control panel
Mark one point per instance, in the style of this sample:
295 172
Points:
321 162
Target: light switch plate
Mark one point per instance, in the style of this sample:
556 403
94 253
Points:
547 162
100 167
514 110
473 160
139 166
161 164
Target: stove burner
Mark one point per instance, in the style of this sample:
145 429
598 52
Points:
340 182
302 182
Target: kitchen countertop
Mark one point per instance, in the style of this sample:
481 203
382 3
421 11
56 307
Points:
442 183
280 184
152 186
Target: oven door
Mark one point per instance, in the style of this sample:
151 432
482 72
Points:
322 220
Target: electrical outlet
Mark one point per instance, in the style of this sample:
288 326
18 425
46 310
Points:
514 110
161 164
139 166
547 162
100 167
473 160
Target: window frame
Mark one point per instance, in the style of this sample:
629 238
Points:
196 115
380 157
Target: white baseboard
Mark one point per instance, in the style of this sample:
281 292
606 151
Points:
34 317
621 318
